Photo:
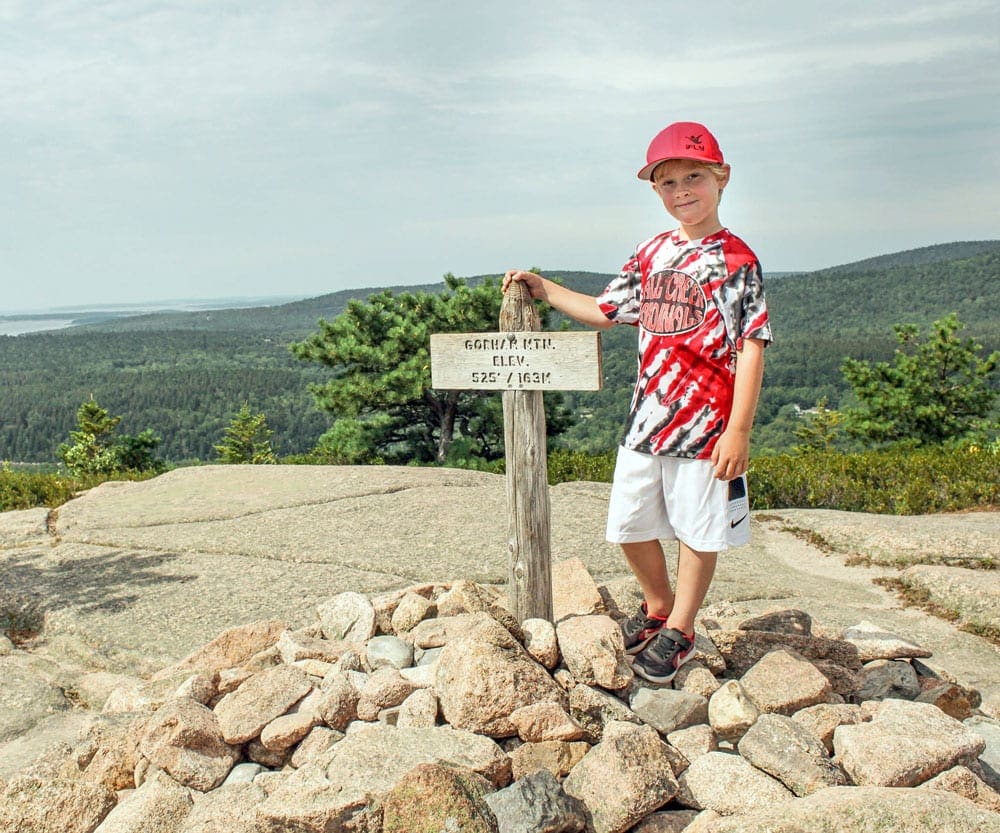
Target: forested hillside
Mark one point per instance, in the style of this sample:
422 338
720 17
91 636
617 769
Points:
185 375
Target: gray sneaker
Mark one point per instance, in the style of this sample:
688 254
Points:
639 629
659 661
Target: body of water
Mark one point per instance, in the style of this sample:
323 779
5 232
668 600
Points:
19 326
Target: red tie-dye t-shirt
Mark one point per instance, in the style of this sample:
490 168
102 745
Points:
694 301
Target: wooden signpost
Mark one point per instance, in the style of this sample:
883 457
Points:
522 362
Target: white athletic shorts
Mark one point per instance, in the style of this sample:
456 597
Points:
670 498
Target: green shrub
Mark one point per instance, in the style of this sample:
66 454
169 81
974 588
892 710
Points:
25 490
579 465
894 481
29 489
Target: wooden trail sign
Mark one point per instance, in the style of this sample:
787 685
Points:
516 361
522 362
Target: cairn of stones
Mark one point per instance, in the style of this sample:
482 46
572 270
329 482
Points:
432 710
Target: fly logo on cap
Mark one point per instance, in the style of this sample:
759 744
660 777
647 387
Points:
682 140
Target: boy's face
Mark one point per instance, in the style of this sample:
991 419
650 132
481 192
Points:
690 192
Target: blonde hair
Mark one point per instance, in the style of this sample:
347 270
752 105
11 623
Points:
718 170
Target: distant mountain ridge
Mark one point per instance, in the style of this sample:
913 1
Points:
297 318
185 374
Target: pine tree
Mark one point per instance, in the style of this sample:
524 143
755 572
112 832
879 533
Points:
247 439
819 429
380 393
936 390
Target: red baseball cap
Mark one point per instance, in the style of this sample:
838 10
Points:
682 140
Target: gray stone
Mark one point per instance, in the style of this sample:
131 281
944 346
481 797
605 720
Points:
667 710
781 747
232 808
874 642
729 785
388 650
185 739
540 641
574 592
780 621
375 759
988 729
160 805
537 803
905 744
593 709
427 656
411 610
857 809
731 712
624 778
30 805
436 797
347 616
243 774
822 720
882 678
594 651
783 682
485 675
264 696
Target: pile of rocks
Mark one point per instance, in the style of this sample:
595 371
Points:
432 709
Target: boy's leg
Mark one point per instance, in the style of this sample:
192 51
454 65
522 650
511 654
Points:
649 566
694 574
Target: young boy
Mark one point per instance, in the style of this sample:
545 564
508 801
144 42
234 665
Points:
696 296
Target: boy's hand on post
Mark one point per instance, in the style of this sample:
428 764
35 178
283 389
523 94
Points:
535 284
731 455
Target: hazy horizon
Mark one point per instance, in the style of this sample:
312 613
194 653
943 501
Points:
190 149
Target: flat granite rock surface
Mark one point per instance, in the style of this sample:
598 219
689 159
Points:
143 573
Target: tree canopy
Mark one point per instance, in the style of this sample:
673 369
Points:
935 390
94 447
380 392
247 439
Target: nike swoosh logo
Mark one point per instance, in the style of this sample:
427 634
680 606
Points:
734 524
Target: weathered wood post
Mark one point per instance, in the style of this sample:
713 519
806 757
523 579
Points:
528 529
521 362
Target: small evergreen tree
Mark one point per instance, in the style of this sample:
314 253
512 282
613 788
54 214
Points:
936 390
819 429
247 439
94 448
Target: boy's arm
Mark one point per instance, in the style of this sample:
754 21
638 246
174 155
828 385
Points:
576 305
731 455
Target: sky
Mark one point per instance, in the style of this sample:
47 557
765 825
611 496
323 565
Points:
160 149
